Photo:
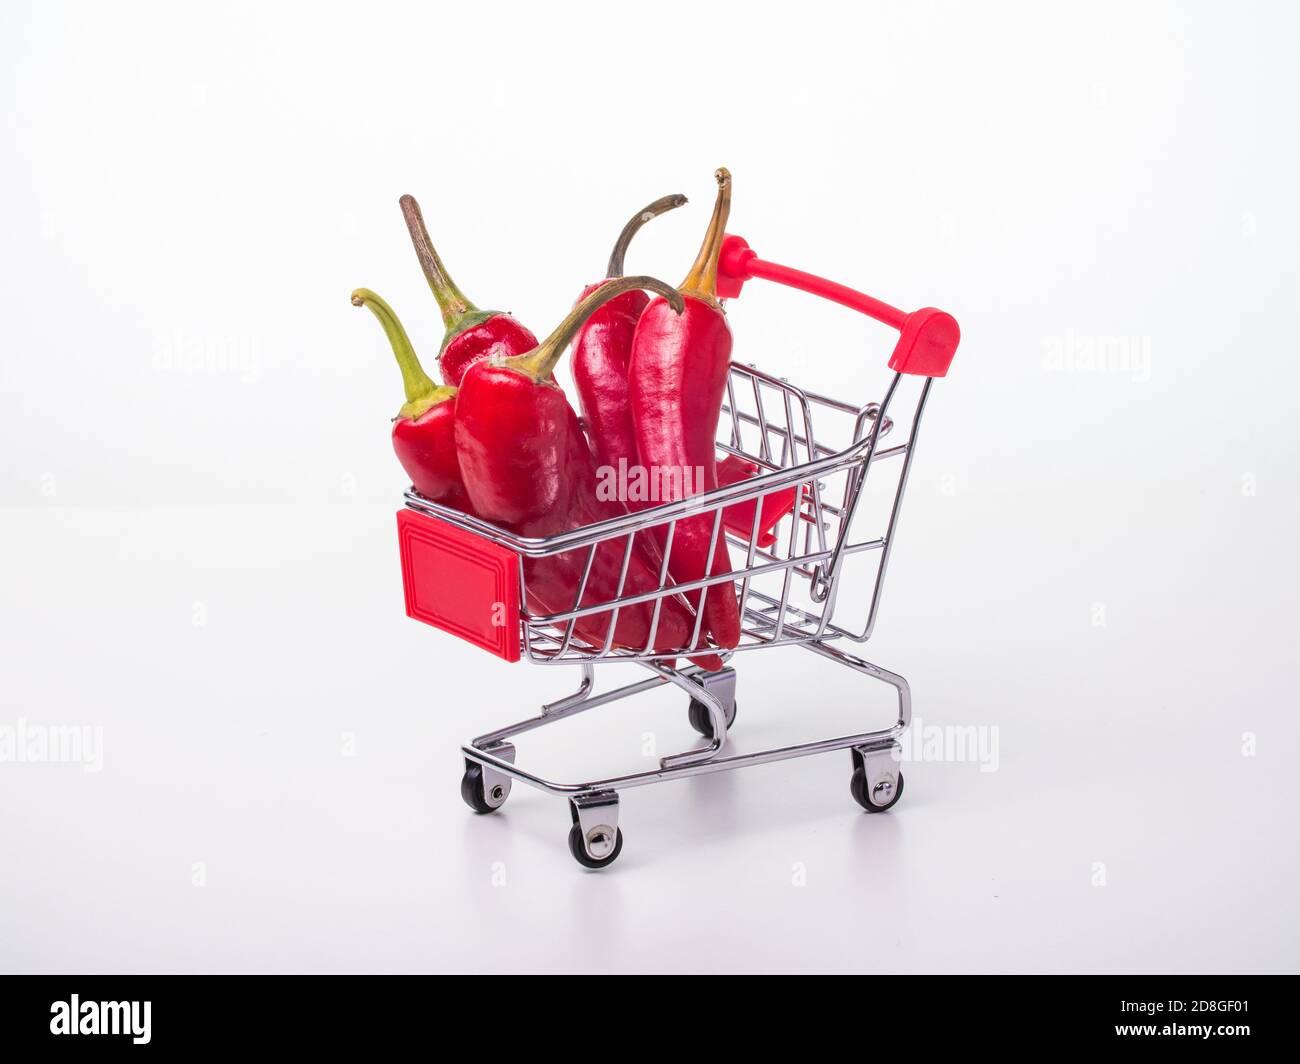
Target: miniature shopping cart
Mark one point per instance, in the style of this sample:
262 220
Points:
808 548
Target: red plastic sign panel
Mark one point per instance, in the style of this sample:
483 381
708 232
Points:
460 583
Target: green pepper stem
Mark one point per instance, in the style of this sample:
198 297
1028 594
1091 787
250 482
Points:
702 281
451 300
540 362
421 391
650 210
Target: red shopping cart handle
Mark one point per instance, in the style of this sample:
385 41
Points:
927 339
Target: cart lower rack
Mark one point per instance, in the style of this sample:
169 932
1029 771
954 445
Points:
796 508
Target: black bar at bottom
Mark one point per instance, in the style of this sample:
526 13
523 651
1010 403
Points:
335 1013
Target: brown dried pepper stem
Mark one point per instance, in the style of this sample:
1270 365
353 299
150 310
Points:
702 281
650 210
540 361
455 307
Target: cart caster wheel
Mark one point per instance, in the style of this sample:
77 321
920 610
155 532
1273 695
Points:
471 790
585 859
887 797
702 722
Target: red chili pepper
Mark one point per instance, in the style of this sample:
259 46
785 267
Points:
471 334
599 366
527 466
677 379
600 356
424 429
593 504
739 517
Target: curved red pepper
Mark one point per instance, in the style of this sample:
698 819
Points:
601 351
645 563
677 379
513 429
424 429
527 466
599 365
553 584
472 334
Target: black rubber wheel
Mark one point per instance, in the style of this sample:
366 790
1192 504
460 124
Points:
702 722
585 859
858 788
471 790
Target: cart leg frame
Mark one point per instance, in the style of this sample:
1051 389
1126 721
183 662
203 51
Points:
595 838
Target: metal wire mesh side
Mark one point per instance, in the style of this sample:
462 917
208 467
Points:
823 451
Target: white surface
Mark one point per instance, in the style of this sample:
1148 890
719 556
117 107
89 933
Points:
177 182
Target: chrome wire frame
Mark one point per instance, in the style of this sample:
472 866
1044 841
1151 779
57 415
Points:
490 750
788 590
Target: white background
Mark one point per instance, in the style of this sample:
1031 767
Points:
199 556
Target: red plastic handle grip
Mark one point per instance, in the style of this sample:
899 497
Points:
927 339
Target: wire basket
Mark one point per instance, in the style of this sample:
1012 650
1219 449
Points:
796 529
808 506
